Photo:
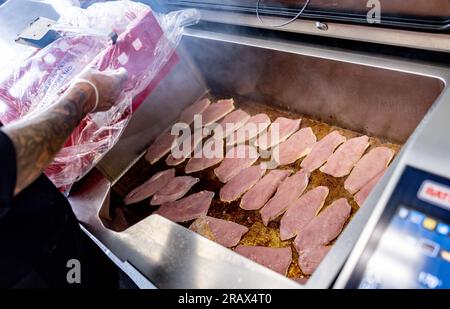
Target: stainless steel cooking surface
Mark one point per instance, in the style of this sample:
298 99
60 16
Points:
392 100
258 234
338 93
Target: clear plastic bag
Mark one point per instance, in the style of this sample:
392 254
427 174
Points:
145 47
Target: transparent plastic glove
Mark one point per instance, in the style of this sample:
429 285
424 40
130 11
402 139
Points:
102 87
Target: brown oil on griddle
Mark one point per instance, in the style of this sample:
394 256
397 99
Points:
258 235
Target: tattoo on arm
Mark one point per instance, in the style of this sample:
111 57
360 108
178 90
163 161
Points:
38 139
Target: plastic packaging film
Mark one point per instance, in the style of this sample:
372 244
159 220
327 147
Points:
145 47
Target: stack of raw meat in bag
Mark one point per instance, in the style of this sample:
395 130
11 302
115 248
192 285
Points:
142 43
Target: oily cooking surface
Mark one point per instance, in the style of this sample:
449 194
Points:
258 235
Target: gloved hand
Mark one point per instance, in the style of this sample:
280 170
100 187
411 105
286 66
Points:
102 88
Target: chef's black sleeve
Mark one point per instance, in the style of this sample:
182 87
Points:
7 173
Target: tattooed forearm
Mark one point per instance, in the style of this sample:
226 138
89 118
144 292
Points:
38 139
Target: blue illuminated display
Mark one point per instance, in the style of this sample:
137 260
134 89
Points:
414 252
410 245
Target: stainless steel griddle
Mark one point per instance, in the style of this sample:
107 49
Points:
400 100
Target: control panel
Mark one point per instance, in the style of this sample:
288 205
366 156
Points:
410 245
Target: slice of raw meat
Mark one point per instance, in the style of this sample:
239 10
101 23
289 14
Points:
252 128
231 123
277 259
182 149
174 190
236 159
150 187
322 150
188 208
226 233
325 227
367 168
258 196
344 159
362 195
295 147
241 183
278 132
310 259
210 155
301 280
187 116
288 191
217 111
160 147
302 211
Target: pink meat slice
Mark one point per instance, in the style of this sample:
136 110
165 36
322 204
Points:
344 159
325 227
160 147
367 168
171 161
295 147
278 132
217 111
226 233
174 190
252 128
210 155
302 211
236 159
362 195
277 259
241 183
183 152
231 123
188 208
150 187
288 191
310 259
322 150
187 116
258 196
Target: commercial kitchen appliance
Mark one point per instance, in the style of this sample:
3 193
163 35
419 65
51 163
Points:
350 83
